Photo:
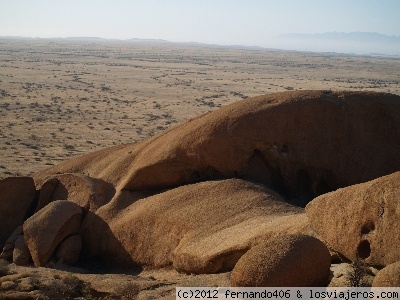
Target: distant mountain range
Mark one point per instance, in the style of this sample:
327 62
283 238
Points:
351 42
364 43
353 36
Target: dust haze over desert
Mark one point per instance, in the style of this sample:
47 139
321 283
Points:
147 146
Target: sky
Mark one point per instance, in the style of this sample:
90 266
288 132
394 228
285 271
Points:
226 22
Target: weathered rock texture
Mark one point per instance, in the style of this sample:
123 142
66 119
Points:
21 254
199 228
45 230
9 245
301 144
46 192
388 276
17 195
89 193
70 249
291 260
361 220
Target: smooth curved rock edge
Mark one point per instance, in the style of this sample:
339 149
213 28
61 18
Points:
300 144
286 260
46 229
361 221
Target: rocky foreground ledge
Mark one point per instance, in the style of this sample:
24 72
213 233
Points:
226 192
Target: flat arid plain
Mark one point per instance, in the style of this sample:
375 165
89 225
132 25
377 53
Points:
63 98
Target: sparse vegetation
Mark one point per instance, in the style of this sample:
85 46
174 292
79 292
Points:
69 147
357 274
128 291
69 287
158 94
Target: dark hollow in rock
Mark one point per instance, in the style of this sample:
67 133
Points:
364 249
368 227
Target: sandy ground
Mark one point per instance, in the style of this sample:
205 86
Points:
62 98
63 282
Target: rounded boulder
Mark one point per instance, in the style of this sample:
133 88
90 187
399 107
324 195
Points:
21 255
70 249
45 230
290 260
388 276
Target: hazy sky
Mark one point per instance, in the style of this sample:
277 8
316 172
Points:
245 22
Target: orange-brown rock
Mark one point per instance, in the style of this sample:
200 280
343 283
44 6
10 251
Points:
44 231
89 193
388 276
70 249
361 220
300 143
199 228
7 252
288 260
17 195
21 254
46 192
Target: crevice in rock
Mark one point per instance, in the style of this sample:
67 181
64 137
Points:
303 183
323 187
285 148
209 173
231 259
364 249
303 192
368 227
260 171
32 208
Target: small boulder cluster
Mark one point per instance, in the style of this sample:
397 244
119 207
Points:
44 225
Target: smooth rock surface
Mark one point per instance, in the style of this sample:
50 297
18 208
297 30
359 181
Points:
289 260
45 230
361 220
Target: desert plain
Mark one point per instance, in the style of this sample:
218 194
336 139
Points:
63 98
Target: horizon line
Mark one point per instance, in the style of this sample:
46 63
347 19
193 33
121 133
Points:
159 40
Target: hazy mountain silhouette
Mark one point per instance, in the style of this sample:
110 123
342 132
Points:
364 43
351 42
137 40
354 36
